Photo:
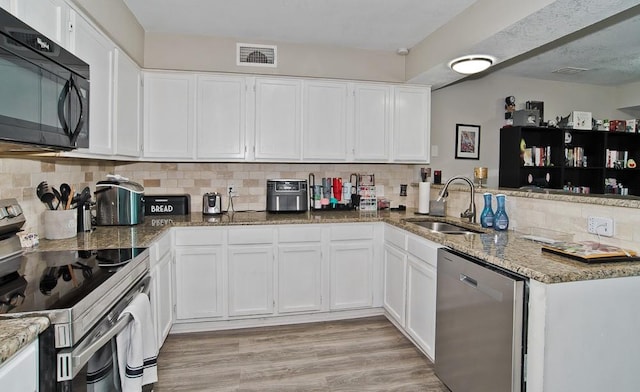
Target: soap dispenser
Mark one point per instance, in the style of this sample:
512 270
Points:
487 216
500 219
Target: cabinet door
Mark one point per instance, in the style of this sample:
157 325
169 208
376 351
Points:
278 119
411 124
324 128
20 372
220 126
198 282
163 305
96 50
421 304
128 100
250 280
49 17
351 274
299 278
395 265
372 122
169 112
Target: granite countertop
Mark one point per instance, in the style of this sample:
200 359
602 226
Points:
504 249
16 333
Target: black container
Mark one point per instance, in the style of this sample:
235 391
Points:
167 204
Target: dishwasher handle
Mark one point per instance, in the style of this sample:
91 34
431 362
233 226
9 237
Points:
468 281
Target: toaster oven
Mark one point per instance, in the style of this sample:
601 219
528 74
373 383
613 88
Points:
287 195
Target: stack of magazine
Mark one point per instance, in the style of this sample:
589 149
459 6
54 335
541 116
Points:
591 251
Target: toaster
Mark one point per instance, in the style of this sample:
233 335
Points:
211 203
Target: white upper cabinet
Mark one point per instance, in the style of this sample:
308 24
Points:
49 17
278 119
324 127
128 101
97 50
411 124
221 109
169 112
372 122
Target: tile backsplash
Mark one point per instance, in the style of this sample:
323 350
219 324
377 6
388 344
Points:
250 179
19 178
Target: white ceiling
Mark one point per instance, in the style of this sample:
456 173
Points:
566 33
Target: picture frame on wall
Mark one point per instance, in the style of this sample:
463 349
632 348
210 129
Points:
467 141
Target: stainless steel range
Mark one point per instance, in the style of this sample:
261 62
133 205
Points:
82 292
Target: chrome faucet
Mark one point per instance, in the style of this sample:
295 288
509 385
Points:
470 213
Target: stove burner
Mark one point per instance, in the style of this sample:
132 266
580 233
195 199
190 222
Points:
42 281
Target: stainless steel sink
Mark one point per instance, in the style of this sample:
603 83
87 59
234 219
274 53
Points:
444 227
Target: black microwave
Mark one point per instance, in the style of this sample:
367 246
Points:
44 91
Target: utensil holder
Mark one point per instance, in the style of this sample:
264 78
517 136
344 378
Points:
60 224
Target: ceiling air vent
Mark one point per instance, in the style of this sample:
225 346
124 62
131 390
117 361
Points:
257 55
569 70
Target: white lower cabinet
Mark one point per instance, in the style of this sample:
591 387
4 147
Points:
161 287
410 264
421 292
395 282
351 266
250 280
250 259
162 302
199 263
421 304
198 282
20 372
299 278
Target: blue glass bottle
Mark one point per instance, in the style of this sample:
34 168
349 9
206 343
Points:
486 216
500 219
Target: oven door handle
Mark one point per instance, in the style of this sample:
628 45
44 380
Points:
70 362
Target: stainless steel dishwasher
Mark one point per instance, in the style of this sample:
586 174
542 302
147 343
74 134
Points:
480 311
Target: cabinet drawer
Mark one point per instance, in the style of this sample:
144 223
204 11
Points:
199 236
423 249
300 233
351 232
250 235
395 236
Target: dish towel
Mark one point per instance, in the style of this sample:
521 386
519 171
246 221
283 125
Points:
137 348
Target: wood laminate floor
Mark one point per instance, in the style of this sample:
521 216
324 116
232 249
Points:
367 354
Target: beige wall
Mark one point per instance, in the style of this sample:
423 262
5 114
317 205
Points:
199 53
481 102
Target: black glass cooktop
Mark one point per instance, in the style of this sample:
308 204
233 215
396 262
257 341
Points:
41 281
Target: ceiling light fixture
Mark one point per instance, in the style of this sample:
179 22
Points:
471 64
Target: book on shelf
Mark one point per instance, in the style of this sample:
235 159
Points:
616 159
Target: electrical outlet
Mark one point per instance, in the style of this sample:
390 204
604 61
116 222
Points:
599 225
231 191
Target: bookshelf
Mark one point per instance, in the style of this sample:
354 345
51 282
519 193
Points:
577 161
